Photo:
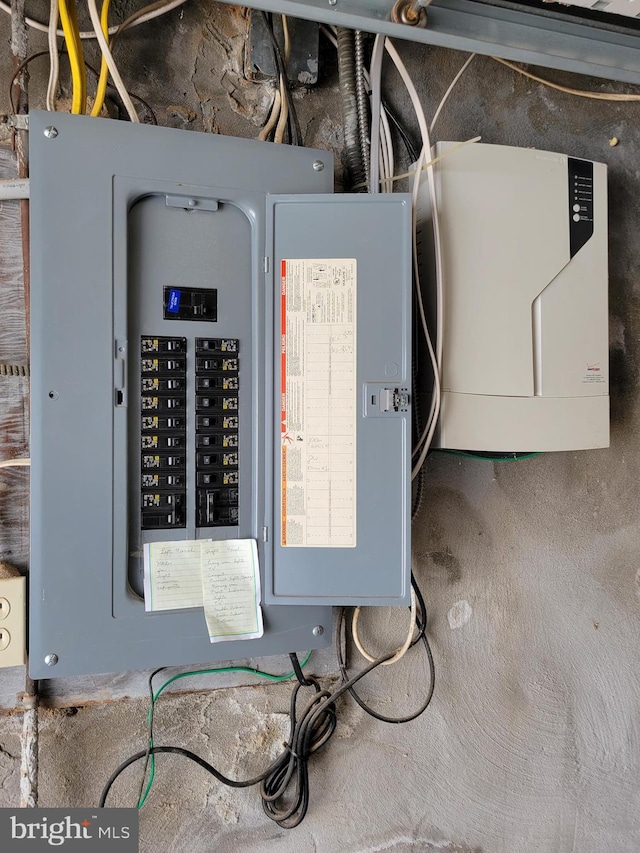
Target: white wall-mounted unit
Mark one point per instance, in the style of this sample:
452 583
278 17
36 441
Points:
525 334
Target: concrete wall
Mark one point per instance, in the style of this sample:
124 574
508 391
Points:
530 569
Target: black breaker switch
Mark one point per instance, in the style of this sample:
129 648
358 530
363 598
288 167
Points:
190 303
217 434
163 432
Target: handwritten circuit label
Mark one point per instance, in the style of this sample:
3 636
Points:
231 589
223 577
172 575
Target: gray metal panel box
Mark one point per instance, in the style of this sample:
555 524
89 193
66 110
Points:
342 270
110 227
125 217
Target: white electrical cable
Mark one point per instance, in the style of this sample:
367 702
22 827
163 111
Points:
411 90
281 125
90 34
384 166
15 463
426 438
113 68
400 653
273 116
284 113
13 188
375 75
446 153
452 85
54 57
381 179
387 181
328 33
436 357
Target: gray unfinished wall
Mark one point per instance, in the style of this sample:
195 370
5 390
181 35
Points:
530 569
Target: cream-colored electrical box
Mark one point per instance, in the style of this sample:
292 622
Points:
13 621
525 361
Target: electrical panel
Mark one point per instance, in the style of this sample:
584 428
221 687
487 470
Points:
155 433
169 429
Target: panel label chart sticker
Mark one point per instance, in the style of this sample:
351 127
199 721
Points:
318 402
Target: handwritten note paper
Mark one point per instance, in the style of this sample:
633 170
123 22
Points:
231 589
223 577
172 576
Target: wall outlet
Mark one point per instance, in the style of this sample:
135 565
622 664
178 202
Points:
13 622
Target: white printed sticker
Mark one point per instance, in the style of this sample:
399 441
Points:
594 374
318 402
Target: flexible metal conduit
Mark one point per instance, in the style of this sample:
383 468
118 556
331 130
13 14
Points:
347 76
363 105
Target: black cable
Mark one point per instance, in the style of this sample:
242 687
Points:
18 72
315 726
421 617
411 149
150 731
177 750
418 497
295 663
422 636
309 731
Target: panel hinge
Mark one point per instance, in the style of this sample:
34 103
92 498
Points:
120 372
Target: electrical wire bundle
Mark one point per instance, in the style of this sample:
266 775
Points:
64 12
283 120
284 784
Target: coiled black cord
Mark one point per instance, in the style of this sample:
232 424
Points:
309 730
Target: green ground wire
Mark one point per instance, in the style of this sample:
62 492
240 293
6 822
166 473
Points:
218 671
514 458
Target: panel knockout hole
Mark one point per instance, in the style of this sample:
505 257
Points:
53 395
5 608
5 639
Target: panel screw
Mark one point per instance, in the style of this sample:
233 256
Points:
333 2
318 165
318 631
192 202
51 132
51 660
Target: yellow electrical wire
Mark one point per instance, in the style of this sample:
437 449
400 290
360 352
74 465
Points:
73 15
69 21
101 90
